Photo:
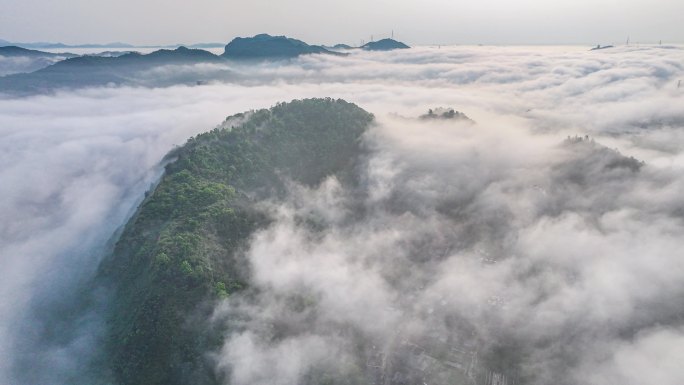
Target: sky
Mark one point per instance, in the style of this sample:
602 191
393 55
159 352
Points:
416 22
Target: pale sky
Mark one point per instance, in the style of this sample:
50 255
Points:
149 22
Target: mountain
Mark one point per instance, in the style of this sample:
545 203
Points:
441 113
102 70
384 45
186 248
342 46
593 158
133 68
14 51
17 60
180 252
180 55
265 46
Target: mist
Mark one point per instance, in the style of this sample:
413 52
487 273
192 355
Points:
14 65
502 233
555 253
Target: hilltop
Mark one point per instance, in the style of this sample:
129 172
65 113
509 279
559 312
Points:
342 46
265 46
14 60
179 252
384 45
441 113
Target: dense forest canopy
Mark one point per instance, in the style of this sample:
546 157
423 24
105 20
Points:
180 250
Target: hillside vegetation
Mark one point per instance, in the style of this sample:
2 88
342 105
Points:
180 252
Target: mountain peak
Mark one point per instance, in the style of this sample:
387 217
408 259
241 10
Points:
384 45
265 46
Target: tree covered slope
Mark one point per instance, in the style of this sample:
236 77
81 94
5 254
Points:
264 46
180 252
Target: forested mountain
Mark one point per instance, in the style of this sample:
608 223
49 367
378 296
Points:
180 251
14 51
15 60
84 71
384 45
264 46
136 69
185 249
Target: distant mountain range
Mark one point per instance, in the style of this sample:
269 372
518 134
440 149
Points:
14 51
15 60
84 71
240 47
49 71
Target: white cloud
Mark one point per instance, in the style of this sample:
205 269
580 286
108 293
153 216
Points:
577 262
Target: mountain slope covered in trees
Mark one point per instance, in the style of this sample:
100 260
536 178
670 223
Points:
180 252
264 46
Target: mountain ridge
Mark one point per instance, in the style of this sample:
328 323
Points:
128 68
265 46
384 45
16 51
180 252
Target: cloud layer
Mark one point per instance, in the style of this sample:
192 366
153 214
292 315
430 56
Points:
559 253
496 231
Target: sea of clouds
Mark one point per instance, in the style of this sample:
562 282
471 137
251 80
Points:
530 242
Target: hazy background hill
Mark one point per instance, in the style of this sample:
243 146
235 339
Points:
384 45
265 46
31 72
